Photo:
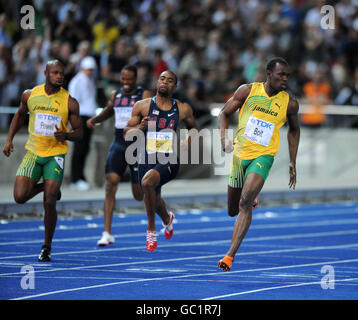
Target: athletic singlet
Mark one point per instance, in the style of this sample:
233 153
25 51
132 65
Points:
161 137
46 111
260 119
123 105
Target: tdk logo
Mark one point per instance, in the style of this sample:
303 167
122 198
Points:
264 124
48 117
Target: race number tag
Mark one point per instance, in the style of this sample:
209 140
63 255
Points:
45 124
259 131
123 114
159 142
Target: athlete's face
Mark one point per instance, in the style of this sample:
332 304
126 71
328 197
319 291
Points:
128 81
55 74
278 78
166 84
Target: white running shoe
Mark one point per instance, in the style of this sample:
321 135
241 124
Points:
80 185
105 240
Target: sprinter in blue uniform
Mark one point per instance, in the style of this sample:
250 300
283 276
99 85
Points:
158 118
120 104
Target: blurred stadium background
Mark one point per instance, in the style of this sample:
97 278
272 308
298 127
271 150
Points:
214 46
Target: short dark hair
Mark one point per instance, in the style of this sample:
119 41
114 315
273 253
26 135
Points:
131 67
174 75
272 63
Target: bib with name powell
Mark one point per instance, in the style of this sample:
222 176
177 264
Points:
45 124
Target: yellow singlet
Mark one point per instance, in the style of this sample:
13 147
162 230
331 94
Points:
46 111
260 119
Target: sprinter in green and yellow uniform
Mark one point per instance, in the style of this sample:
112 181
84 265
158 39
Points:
50 108
263 110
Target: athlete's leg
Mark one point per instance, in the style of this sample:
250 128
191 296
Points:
111 186
26 188
161 209
51 189
252 186
233 200
150 182
27 175
137 191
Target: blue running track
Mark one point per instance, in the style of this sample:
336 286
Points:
301 252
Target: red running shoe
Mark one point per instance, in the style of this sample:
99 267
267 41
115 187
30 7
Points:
168 229
151 240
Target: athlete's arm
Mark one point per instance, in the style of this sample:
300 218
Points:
293 137
139 118
76 125
106 113
230 107
186 115
17 122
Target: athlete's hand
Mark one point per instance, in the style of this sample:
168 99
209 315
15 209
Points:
292 172
144 123
90 124
227 145
59 134
9 147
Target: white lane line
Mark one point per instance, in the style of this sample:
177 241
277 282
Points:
316 248
190 231
216 242
257 216
275 288
183 276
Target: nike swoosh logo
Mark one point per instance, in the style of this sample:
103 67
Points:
170 114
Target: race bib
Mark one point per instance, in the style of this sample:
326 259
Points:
123 114
259 131
159 142
45 124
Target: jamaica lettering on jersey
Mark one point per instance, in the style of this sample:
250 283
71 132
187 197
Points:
260 119
160 139
46 112
123 105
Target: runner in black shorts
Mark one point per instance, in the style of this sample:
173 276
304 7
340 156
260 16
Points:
165 113
121 105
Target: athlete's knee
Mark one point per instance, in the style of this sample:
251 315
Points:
150 180
246 201
232 212
111 184
111 187
233 209
50 199
147 184
20 198
138 195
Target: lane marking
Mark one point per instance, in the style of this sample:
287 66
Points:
316 248
275 288
185 276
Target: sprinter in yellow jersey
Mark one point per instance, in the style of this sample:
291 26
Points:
263 110
50 108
